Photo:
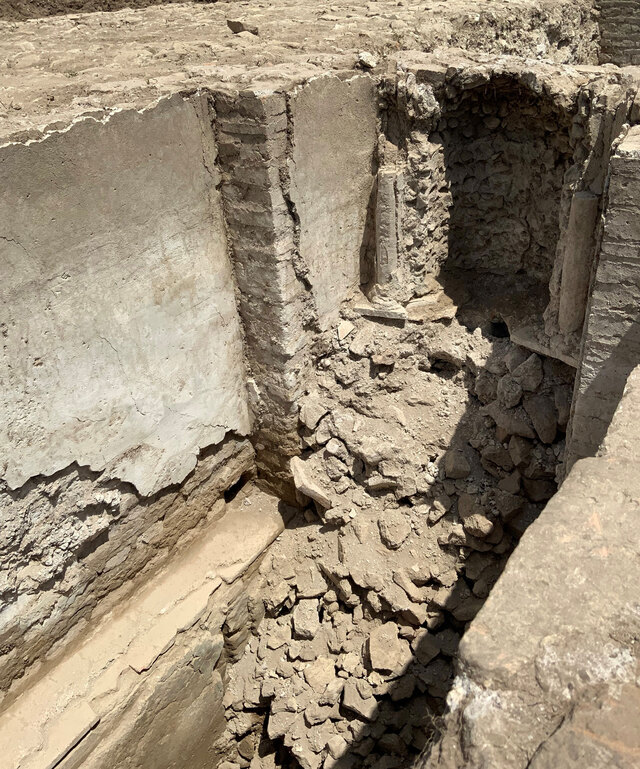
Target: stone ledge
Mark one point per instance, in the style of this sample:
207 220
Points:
102 676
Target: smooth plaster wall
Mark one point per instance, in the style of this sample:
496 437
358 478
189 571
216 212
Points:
122 347
332 172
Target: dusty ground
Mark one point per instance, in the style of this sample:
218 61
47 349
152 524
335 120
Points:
54 69
428 448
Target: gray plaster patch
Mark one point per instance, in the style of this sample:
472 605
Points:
121 342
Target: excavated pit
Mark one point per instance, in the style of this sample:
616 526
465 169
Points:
303 344
427 449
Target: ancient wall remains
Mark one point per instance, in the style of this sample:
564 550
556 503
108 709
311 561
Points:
144 686
296 191
619 23
122 358
253 139
496 160
122 343
506 151
487 152
155 263
611 344
174 279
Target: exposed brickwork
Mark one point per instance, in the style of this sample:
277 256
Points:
620 31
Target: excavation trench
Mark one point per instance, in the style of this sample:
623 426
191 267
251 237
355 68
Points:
429 439
380 363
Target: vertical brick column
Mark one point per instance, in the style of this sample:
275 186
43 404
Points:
252 131
619 22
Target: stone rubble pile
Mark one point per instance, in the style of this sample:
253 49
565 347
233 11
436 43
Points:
426 451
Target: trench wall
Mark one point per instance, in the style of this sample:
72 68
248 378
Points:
611 345
299 170
487 150
506 151
121 340
503 173
144 685
122 359
157 311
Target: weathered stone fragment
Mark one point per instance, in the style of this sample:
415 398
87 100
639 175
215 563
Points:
305 483
237 26
425 646
495 458
538 490
312 410
509 392
486 387
306 622
387 652
353 701
344 329
394 528
456 465
515 357
279 723
529 374
433 307
320 674
512 421
478 525
542 411
310 582
562 398
519 450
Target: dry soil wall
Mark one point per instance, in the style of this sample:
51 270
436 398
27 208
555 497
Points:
154 262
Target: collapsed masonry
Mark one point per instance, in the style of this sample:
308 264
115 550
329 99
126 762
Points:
292 363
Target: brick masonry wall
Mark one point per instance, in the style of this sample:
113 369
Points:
619 31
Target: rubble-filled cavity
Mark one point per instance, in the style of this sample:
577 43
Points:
427 449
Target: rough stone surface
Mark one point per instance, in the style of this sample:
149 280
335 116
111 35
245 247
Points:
557 638
406 554
387 652
62 57
612 346
326 230
160 661
305 618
